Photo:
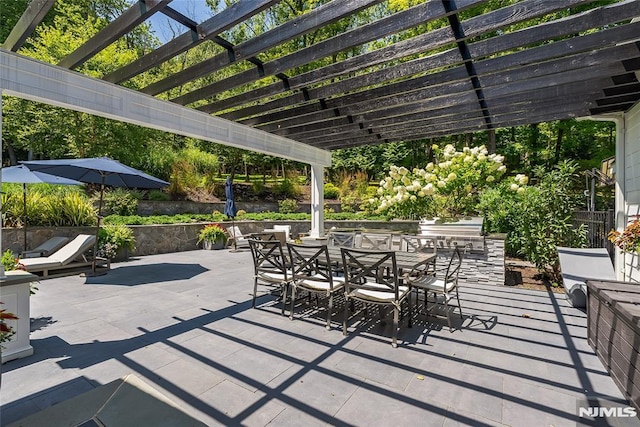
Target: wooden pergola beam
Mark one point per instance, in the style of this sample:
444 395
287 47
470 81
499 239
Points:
323 15
409 18
423 43
590 66
132 17
32 16
490 71
208 29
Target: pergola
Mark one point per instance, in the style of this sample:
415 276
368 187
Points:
477 70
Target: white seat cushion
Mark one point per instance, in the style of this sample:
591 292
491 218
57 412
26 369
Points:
437 286
273 277
39 263
320 284
383 295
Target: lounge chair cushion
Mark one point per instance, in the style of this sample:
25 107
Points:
46 248
578 265
64 256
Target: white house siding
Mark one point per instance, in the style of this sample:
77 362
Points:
632 184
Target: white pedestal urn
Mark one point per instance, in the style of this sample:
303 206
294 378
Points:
14 294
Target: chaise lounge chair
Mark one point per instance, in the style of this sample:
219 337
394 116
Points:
64 261
578 265
46 248
235 233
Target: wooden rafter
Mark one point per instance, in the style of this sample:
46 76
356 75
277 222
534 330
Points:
473 72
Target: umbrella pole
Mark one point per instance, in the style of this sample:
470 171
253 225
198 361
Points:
233 227
95 244
24 213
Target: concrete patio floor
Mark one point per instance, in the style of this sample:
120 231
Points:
183 323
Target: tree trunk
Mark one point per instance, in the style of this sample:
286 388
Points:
558 143
491 141
13 160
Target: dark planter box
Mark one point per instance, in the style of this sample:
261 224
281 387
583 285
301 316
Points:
613 330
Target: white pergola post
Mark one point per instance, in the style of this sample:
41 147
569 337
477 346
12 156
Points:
620 198
2 275
317 201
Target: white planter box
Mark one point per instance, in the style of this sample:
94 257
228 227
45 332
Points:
14 293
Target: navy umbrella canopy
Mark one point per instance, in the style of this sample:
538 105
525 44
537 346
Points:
22 175
230 205
230 209
97 170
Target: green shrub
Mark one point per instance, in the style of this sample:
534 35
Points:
259 189
120 201
348 203
203 162
287 188
331 191
9 260
158 196
544 217
241 212
73 210
158 161
112 238
287 206
184 177
12 209
499 207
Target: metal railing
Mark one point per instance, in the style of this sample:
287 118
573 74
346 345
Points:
599 224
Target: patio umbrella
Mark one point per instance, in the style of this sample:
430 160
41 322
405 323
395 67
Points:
22 175
230 208
98 170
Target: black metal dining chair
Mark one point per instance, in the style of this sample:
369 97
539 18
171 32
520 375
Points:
270 267
312 272
443 285
342 238
371 277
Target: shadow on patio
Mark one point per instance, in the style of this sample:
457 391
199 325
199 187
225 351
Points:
518 358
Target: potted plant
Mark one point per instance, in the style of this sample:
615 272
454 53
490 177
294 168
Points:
212 236
115 241
629 239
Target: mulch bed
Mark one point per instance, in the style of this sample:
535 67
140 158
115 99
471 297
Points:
525 275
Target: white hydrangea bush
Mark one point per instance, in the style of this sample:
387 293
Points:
450 186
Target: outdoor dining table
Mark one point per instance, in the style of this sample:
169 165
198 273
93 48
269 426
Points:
406 261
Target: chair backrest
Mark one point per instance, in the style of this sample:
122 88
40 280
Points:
72 250
342 238
377 241
453 269
50 246
271 234
370 270
310 263
286 228
263 235
235 232
268 257
413 243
